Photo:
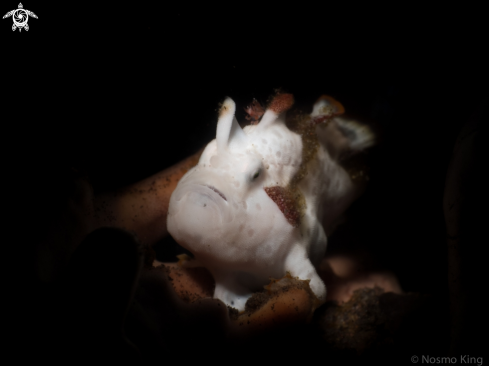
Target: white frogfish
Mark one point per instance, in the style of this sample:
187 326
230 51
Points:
262 199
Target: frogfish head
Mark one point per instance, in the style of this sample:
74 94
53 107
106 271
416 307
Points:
225 192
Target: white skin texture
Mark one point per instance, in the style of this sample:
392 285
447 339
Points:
222 214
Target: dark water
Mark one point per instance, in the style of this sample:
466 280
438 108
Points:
124 92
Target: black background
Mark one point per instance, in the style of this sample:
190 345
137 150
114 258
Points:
125 91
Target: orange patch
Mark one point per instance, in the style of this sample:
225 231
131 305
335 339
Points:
338 107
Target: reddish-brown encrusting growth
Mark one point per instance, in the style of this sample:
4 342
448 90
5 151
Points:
290 199
254 111
285 201
281 103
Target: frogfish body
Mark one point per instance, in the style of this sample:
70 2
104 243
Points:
262 199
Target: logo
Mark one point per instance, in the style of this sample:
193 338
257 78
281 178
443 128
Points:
20 17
